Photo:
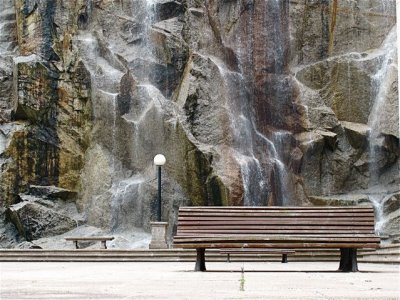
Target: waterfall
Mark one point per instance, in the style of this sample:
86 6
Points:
243 141
280 140
262 60
7 26
126 213
388 53
284 193
377 202
381 84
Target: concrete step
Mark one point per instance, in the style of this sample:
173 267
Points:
389 255
150 255
394 258
388 250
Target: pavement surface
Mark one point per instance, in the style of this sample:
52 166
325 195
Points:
152 280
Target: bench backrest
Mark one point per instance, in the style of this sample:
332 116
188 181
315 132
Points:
203 221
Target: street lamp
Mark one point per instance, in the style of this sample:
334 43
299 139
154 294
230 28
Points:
159 160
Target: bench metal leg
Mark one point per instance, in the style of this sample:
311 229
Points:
103 243
348 260
76 245
284 258
228 258
200 260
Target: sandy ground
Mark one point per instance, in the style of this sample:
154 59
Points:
177 281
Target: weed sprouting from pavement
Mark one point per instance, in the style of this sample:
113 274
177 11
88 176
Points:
242 280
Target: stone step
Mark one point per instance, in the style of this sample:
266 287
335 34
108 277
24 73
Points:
382 260
180 255
148 255
381 256
382 251
138 259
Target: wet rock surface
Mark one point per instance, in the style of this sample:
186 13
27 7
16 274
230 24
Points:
36 217
258 102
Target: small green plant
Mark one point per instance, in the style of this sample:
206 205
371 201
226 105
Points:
242 280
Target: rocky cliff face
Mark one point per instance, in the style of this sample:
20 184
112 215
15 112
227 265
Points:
259 102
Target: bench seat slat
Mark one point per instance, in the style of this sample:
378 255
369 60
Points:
275 215
278 237
273 227
277 222
253 231
288 245
311 220
273 219
275 207
279 209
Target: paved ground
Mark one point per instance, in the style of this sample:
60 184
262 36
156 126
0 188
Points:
177 281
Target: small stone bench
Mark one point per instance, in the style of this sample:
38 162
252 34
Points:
284 252
103 240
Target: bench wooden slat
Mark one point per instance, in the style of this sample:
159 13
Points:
279 237
311 221
261 227
252 231
275 208
314 245
263 219
268 222
275 215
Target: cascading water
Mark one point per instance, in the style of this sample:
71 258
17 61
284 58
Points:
381 85
281 140
257 54
126 208
388 54
127 203
376 201
282 186
242 136
7 26
272 95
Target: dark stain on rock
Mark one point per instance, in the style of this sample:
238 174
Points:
83 20
168 10
29 7
126 93
49 31
325 30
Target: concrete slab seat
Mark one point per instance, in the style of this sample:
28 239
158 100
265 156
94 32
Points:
346 228
103 240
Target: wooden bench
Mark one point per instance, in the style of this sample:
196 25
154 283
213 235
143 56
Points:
283 252
103 240
346 228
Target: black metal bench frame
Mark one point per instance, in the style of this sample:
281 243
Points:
283 252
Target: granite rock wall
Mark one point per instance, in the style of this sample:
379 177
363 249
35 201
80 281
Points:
253 102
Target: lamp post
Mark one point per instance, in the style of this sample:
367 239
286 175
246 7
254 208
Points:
158 228
159 160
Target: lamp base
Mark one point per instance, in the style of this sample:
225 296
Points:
158 235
